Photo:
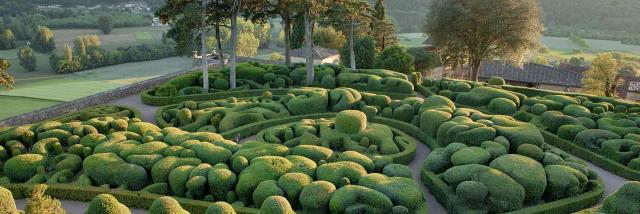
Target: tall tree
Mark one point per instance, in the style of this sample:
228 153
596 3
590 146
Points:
5 79
472 31
105 23
382 29
312 10
603 76
345 15
7 40
288 14
27 58
43 41
297 33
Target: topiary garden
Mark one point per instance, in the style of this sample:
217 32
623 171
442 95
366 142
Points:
342 145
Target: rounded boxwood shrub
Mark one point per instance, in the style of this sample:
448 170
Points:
107 204
22 167
220 207
623 201
538 108
276 205
221 84
108 168
569 132
531 151
554 119
7 204
472 191
166 205
563 182
402 191
497 81
315 197
351 121
334 172
470 155
359 199
397 170
502 106
526 171
265 190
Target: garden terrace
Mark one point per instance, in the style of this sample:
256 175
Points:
315 150
255 78
602 130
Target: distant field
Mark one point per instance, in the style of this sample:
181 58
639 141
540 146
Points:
561 47
18 105
58 88
119 37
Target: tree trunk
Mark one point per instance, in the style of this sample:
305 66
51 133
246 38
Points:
219 40
287 41
352 53
234 42
308 22
475 70
203 37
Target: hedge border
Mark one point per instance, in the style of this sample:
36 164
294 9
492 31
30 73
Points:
132 199
592 157
67 117
152 100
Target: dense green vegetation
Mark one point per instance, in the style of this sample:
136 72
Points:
593 19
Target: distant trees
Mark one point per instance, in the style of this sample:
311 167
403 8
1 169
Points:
365 52
381 28
27 58
7 40
43 41
105 23
247 45
606 74
5 79
424 60
349 15
579 41
396 58
328 37
471 31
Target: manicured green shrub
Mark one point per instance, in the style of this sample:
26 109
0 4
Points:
440 159
494 148
564 99
106 204
502 106
351 122
526 171
359 199
620 150
569 132
308 101
623 201
470 155
359 158
620 109
265 190
472 191
161 169
328 82
252 73
166 205
220 207
276 205
431 120
621 127
22 167
108 168
341 99
397 170
221 181
577 111
481 96
334 172
402 191
315 197
552 120
496 81
7 204
531 151
436 102
563 182
261 169
592 138
505 194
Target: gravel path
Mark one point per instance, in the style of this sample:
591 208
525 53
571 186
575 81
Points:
148 112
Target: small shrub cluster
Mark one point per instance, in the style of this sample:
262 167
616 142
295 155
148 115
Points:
95 57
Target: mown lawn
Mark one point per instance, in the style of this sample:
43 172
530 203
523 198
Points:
12 106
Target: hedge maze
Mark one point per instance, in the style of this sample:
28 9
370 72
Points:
342 145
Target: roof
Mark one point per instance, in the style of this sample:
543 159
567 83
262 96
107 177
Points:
531 73
318 52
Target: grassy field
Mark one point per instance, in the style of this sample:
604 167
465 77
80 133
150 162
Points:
560 47
38 93
17 105
119 37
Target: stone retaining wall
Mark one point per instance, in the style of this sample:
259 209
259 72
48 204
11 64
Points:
96 99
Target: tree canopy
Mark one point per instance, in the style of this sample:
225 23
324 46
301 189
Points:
5 79
472 31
